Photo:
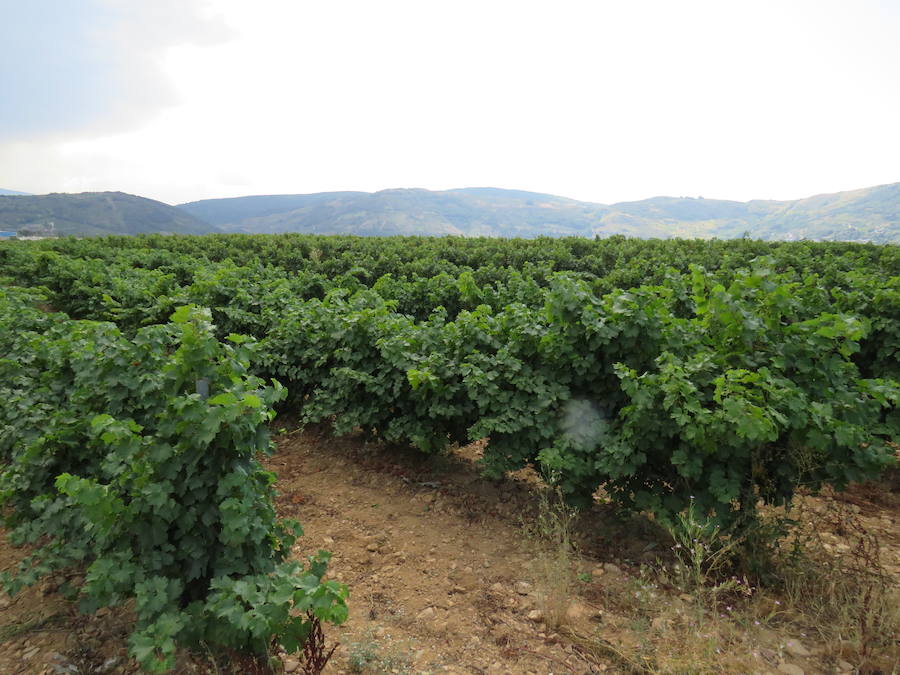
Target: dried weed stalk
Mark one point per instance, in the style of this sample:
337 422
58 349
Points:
552 533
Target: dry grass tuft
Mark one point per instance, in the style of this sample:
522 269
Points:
555 557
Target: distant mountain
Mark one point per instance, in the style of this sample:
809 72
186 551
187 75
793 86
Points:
96 213
12 192
222 211
870 214
469 212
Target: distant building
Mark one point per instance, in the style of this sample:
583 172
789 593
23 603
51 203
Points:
37 231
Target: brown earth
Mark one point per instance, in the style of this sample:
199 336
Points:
445 577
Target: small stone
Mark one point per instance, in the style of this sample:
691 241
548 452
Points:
497 587
535 615
794 648
844 666
611 568
426 614
523 588
290 665
328 541
790 669
597 572
465 578
372 548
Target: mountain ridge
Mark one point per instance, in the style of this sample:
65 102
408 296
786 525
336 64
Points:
866 214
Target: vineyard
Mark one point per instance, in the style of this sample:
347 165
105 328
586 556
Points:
140 376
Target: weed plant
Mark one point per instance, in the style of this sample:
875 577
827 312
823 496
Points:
555 556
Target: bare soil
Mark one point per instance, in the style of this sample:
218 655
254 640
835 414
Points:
442 580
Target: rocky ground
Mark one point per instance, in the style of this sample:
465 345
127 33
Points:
448 574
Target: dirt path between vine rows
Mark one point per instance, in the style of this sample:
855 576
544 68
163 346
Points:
443 579
435 557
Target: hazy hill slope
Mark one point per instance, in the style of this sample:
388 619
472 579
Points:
223 211
97 213
12 192
382 213
468 211
870 214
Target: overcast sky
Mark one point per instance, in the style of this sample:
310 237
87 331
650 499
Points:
598 100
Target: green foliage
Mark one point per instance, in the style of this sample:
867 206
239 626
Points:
731 371
116 460
748 400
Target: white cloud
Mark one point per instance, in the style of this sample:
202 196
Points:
92 67
598 101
